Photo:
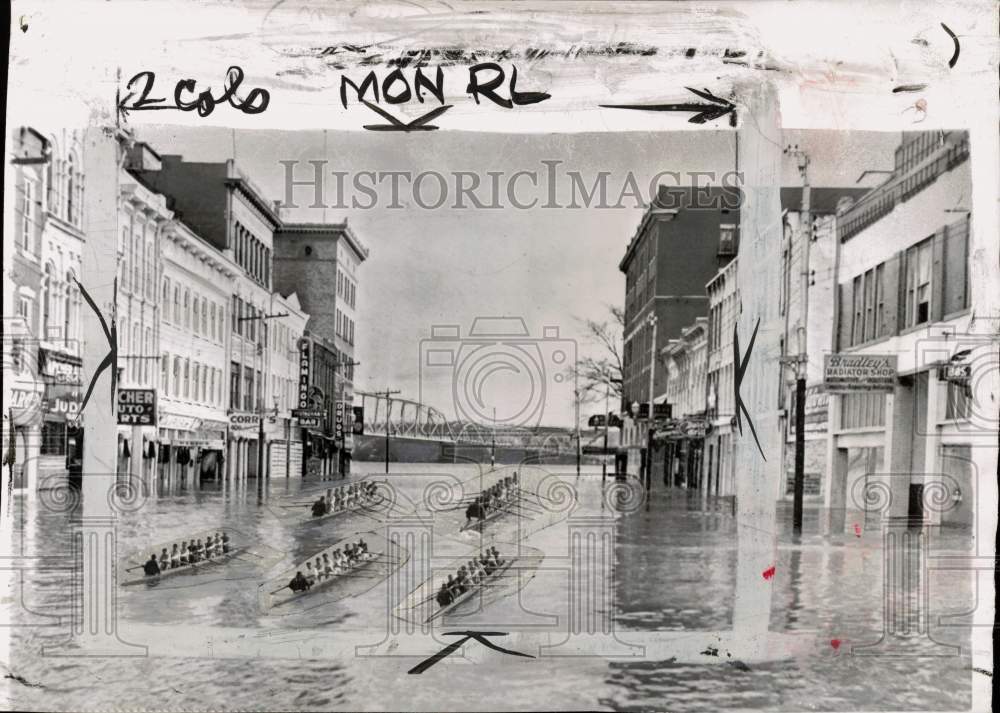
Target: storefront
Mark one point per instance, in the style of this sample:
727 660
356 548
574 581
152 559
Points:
191 450
60 415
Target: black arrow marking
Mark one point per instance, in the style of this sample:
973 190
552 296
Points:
717 109
741 367
418 124
456 645
958 48
111 359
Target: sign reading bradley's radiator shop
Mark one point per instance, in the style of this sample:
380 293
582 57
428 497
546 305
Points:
859 372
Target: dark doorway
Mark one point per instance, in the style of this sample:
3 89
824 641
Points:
915 511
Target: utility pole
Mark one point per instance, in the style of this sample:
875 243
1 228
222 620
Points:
652 378
802 159
388 411
607 419
576 404
260 402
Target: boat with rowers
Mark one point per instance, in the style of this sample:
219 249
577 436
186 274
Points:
185 556
336 563
492 503
357 497
472 577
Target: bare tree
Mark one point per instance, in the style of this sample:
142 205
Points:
602 369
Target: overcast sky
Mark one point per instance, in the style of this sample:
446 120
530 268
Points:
449 265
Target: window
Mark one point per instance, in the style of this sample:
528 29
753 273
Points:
234 385
126 272
147 367
177 376
24 308
71 189
150 270
247 388
166 297
727 239
27 213
918 283
869 305
53 438
880 321
862 410
177 305
211 386
857 332
187 378
260 385
187 309
211 322
165 373
236 314
137 262
204 318
960 401
196 380
194 311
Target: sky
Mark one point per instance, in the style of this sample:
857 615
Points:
548 266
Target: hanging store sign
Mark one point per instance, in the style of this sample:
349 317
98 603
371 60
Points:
338 421
859 372
136 407
305 364
243 421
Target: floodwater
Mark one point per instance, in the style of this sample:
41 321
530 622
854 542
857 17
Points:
672 570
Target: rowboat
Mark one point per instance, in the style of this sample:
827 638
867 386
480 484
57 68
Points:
290 596
465 596
185 568
501 510
359 508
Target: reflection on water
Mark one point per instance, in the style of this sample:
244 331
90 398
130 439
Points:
674 570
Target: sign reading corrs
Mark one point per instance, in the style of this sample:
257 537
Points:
137 407
243 421
859 372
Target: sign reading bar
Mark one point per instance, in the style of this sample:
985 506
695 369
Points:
137 407
859 372
308 417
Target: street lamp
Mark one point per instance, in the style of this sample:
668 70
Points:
651 320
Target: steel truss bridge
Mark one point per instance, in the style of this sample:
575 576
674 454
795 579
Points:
410 419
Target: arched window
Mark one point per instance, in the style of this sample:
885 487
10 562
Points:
150 272
194 310
204 319
136 349
166 298
177 376
126 273
47 299
70 188
187 309
187 378
137 260
177 305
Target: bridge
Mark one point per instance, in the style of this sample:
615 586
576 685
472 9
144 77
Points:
421 433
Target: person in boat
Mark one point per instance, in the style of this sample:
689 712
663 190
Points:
209 548
444 597
175 557
485 563
363 546
310 574
151 568
474 511
192 553
327 567
319 507
299 583
452 586
496 556
320 570
225 543
184 552
462 580
328 502
200 549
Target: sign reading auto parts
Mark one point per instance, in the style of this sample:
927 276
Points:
859 372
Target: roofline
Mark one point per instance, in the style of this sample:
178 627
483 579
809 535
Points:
359 249
643 224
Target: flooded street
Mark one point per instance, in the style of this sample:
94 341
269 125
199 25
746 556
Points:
673 570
